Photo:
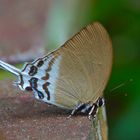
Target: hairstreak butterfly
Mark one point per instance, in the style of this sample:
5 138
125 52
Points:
73 76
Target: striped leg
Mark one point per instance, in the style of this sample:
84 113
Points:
94 109
88 108
77 109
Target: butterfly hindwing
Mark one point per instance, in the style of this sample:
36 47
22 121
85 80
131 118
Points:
75 73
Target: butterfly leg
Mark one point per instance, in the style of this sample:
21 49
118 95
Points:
77 109
88 108
94 109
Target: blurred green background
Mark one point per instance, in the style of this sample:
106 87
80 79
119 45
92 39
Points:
121 18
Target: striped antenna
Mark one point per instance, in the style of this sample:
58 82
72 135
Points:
10 68
121 85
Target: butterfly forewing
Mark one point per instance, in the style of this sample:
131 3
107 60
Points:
75 73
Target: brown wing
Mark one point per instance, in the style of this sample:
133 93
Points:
86 62
79 70
75 73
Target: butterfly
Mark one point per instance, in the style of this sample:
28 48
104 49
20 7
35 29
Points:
73 76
